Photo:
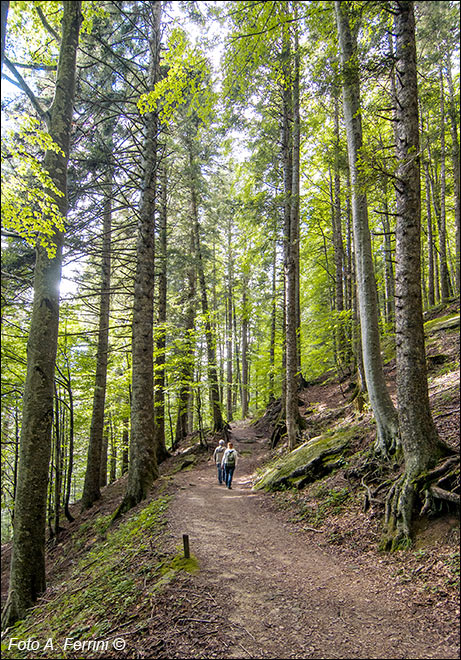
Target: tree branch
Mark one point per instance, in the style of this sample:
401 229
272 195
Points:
46 25
26 89
36 67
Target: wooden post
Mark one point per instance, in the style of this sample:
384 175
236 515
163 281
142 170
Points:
185 540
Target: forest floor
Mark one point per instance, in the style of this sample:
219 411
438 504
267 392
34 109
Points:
281 575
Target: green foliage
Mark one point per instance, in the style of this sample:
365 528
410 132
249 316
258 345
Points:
187 82
29 195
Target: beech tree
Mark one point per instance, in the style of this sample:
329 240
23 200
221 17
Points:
27 578
419 438
385 414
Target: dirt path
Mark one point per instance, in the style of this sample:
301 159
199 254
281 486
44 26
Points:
285 596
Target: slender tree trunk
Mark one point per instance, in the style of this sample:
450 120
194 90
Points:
389 267
383 408
245 378
159 374
70 462
273 321
444 276
456 169
57 461
5 7
338 241
187 371
143 468
104 452
230 324
218 422
91 487
113 457
418 434
430 241
125 444
290 158
27 578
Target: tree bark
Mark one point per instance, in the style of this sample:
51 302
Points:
27 578
383 408
143 468
91 487
430 241
444 276
418 433
245 380
456 169
229 326
187 371
218 422
160 374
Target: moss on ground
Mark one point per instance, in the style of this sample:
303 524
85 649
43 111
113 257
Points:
118 578
450 321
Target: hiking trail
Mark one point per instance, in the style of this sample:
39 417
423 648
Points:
284 593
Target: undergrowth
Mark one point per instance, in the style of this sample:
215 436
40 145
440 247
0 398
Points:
117 579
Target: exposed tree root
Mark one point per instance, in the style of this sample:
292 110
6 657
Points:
412 487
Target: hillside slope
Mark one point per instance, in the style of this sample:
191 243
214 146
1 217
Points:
292 574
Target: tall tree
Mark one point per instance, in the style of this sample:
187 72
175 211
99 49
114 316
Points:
143 469
160 368
27 578
215 399
418 434
383 408
91 488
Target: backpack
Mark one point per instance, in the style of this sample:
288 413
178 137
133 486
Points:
230 461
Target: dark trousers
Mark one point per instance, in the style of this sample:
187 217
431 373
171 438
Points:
220 473
229 473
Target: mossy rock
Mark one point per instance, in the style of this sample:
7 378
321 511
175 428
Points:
442 323
309 462
186 463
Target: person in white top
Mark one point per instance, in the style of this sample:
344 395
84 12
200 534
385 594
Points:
229 461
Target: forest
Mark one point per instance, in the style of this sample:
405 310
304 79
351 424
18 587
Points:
208 207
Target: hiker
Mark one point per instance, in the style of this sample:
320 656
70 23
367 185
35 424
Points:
218 456
229 461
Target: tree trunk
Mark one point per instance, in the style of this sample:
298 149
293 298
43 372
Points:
159 372
444 277
104 452
27 579
70 462
456 169
245 383
143 469
430 241
187 371
5 7
91 487
125 444
388 262
215 403
338 247
418 434
290 151
273 320
229 326
383 408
